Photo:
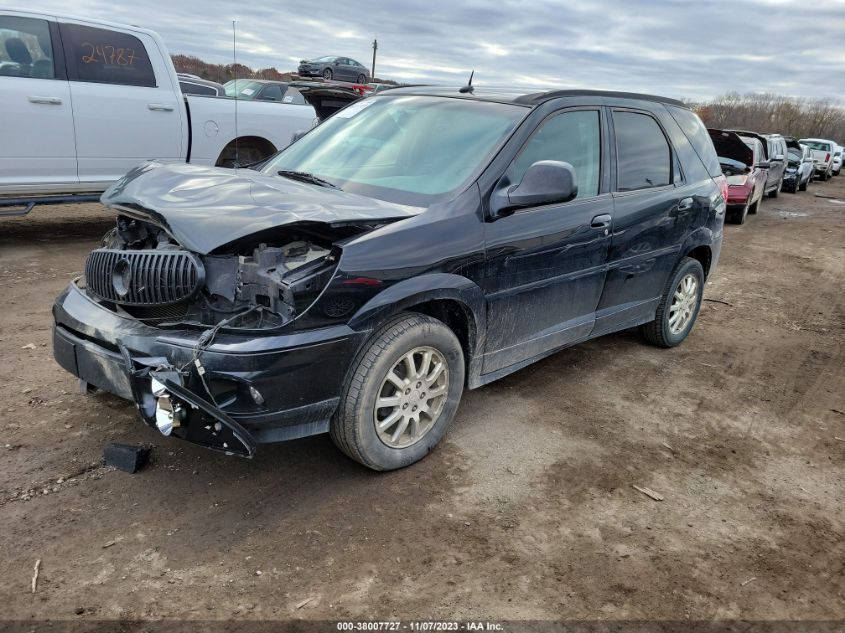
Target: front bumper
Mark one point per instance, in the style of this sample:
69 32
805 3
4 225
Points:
298 376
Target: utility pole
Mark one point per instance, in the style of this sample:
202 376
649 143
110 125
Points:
375 48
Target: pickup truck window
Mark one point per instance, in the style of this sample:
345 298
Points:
572 137
107 57
25 48
642 153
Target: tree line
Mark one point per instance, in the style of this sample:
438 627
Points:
768 113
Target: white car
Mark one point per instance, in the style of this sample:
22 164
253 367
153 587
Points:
84 101
822 150
838 157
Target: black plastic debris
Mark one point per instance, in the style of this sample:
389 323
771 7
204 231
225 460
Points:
126 457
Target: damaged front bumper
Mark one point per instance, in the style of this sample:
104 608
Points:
246 389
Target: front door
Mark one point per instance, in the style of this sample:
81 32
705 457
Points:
36 119
125 109
545 265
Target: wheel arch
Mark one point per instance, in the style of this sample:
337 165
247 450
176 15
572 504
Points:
265 146
453 299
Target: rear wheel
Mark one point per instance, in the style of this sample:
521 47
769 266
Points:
679 306
402 393
737 216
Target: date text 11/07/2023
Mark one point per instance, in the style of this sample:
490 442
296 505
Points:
420 625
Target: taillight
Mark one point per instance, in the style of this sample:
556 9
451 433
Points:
723 186
827 157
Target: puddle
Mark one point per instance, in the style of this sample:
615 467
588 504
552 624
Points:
792 214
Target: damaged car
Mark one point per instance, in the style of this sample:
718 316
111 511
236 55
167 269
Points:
415 244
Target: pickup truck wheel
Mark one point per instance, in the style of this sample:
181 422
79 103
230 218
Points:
774 193
754 208
402 393
679 306
327 74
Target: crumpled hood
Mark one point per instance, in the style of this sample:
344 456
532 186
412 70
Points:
204 208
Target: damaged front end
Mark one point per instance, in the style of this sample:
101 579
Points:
140 271
198 304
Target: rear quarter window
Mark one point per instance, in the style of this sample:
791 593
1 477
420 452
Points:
695 131
105 56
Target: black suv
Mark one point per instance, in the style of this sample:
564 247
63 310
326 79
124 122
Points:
416 243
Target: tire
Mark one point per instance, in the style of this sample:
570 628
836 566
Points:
737 216
353 428
327 74
659 332
362 79
803 186
755 207
774 193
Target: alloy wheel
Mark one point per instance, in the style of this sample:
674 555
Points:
684 303
411 397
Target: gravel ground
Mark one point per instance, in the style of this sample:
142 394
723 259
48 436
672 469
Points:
526 510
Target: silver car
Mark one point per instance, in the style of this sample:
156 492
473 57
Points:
332 67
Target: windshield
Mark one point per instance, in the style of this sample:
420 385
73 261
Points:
825 147
795 155
405 149
242 88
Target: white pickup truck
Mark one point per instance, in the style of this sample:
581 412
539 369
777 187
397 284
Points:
82 102
822 151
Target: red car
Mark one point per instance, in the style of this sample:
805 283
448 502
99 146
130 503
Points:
744 164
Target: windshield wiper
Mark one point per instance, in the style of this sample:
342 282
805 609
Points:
303 176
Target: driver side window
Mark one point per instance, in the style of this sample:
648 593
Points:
573 137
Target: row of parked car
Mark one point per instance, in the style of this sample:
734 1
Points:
766 164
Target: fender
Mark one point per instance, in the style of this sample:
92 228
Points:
429 287
702 236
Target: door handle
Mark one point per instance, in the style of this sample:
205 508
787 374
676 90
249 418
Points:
160 107
45 100
685 204
600 222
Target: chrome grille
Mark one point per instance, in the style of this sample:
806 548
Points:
143 278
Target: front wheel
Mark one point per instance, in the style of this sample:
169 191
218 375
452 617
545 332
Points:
362 79
803 186
327 74
679 306
776 191
402 393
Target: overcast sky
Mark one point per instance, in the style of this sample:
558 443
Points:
677 48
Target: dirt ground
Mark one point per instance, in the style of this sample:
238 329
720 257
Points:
527 509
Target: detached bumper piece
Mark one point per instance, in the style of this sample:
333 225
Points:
165 404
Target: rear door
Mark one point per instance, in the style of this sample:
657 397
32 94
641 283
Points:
37 146
125 108
652 211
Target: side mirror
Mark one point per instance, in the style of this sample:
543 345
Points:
777 159
545 182
764 164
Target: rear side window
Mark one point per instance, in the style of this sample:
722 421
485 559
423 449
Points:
293 96
189 88
271 92
106 57
694 130
643 156
25 48
572 137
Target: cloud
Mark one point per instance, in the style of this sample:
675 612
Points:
677 48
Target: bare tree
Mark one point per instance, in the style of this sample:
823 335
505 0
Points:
768 113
